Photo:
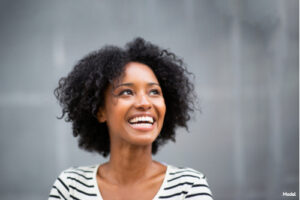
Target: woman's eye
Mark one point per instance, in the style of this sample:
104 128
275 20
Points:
155 92
126 92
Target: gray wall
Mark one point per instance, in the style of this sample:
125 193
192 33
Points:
245 58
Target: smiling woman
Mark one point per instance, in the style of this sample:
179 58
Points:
133 109
126 103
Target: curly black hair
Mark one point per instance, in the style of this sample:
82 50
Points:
81 93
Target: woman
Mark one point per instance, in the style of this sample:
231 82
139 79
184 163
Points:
127 103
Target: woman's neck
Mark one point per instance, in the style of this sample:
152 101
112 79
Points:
129 165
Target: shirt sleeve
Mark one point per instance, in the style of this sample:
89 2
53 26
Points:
199 190
60 188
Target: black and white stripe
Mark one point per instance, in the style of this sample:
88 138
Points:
185 183
79 183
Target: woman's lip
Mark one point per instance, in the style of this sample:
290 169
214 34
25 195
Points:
142 126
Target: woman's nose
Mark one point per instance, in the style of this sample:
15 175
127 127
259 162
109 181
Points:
143 102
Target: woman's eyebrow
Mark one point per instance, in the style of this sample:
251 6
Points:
131 84
152 83
123 84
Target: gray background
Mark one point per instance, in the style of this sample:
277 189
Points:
245 58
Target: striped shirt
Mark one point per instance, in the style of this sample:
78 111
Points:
179 183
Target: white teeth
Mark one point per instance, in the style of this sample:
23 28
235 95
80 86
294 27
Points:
144 125
142 119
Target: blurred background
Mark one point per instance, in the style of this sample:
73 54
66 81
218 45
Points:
244 54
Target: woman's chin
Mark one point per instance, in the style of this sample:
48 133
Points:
141 137
142 140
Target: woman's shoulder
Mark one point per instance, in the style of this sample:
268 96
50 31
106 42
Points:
75 181
185 172
187 182
81 172
81 169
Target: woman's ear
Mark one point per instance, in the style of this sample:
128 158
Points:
101 115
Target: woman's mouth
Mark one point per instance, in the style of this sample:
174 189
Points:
143 123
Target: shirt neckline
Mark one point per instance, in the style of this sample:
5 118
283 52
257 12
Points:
156 195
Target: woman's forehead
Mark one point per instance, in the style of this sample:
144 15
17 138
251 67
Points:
136 72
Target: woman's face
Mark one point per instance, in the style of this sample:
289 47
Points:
134 107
